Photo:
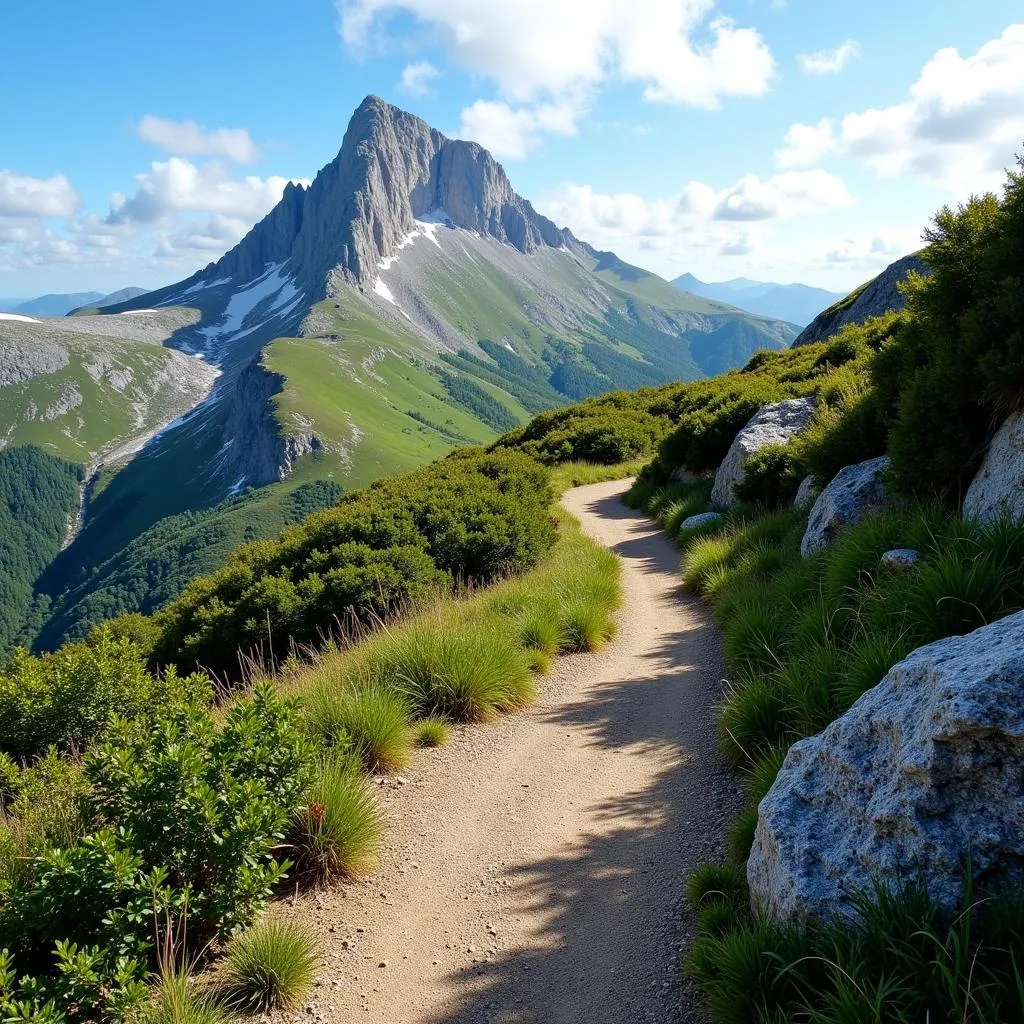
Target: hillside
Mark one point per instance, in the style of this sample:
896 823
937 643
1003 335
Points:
873 298
796 303
406 303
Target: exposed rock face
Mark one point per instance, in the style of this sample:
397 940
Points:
998 487
393 168
856 491
925 768
774 424
806 493
878 296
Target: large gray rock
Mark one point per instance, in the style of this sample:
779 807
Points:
926 768
774 424
700 520
855 491
807 493
880 295
998 487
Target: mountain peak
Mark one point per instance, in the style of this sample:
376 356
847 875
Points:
392 170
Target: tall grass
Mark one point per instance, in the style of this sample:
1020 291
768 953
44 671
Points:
338 833
270 967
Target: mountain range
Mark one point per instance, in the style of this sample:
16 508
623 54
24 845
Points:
407 302
795 303
62 304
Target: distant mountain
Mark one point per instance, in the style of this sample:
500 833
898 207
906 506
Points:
796 303
879 295
61 304
406 303
56 304
121 295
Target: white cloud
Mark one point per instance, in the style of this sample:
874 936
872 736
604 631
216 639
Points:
23 196
416 77
510 133
959 126
545 55
186 138
179 186
829 62
726 221
215 236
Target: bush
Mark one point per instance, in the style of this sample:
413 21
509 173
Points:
176 1000
66 699
771 477
470 517
338 831
270 967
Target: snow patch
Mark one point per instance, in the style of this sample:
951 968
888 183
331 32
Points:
132 312
272 282
236 487
426 227
384 291
21 319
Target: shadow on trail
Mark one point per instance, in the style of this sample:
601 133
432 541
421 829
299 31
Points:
623 885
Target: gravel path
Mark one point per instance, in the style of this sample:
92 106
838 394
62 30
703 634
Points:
533 869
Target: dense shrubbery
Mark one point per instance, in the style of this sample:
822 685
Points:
466 392
614 428
65 699
470 517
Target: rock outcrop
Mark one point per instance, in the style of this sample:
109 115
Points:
855 491
924 770
774 424
700 520
998 488
807 493
880 295
900 558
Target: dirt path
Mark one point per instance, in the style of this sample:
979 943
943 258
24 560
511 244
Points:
534 868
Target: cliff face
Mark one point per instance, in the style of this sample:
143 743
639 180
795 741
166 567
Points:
392 169
878 296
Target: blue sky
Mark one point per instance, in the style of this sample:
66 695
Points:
795 140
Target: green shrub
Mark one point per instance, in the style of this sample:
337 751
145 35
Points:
740 837
271 966
771 476
338 831
753 717
66 699
764 770
718 883
470 517
207 805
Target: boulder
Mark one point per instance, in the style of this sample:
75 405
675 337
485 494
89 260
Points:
926 768
701 519
681 475
855 491
774 424
998 487
900 558
806 493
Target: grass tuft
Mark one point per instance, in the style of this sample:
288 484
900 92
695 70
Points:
433 731
339 832
270 967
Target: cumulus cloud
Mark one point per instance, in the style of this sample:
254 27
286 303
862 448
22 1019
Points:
416 77
829 62
544 55
214 236
186 138
179 186
959 125
727 221
510 133
24 196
